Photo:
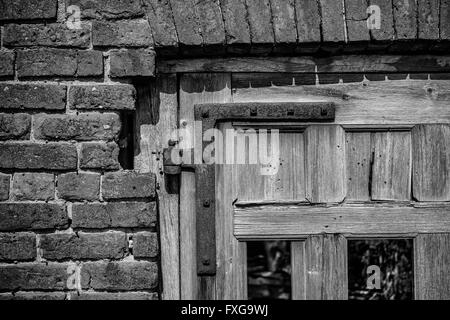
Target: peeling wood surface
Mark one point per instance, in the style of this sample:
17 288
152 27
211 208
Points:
298 222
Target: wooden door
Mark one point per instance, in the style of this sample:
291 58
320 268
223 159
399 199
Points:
361 177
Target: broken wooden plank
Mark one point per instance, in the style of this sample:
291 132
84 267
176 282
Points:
325 164
301 221
391 173
432 266
431 162
428 19
359 154
332 21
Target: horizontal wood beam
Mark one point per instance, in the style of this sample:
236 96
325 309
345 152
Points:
300 221
338 64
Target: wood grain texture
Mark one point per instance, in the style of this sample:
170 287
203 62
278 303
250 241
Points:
298 222
325 164
332 20
391 175
359 154
428 19
298 275
231 277
396 102
156 121
288 180
195 89
326 267
432 267
336 64
308 20
431 162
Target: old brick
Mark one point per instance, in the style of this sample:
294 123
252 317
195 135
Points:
445 20
260 21
33 295
161 21
356 20
405 17
50 35
332 20
27 9
32 216
102 97
428 19
122 185
6 64
186 22
109 9
34 276
386 31
92 295
15 126
116 276
283 13
45 62
237 29
17 246
145 245
135 33
102 156
211 22
32 96
79 186
81 127
33 186
130 63
5 181
96 246
52 156
114 215
308 21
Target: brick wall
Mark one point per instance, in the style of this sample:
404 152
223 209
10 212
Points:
74 223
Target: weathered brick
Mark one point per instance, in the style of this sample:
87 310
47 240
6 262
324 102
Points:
386 31
237 29
6 64
122 185
102 97
260 21
32 216
211 23
445 20
108 9
15 126
130 63
186 22
161 21
405 17
17 246
308 20
40 296
5 181
134 33
114 215
92 295
356 19
33 186
50 35
283 17
27 9
102 156
46 62
32 96
81 127
116 276
332 20
428 19
52 156
145 245
34 276
95 246
79 186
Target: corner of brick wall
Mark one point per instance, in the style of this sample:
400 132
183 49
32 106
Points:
74 224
